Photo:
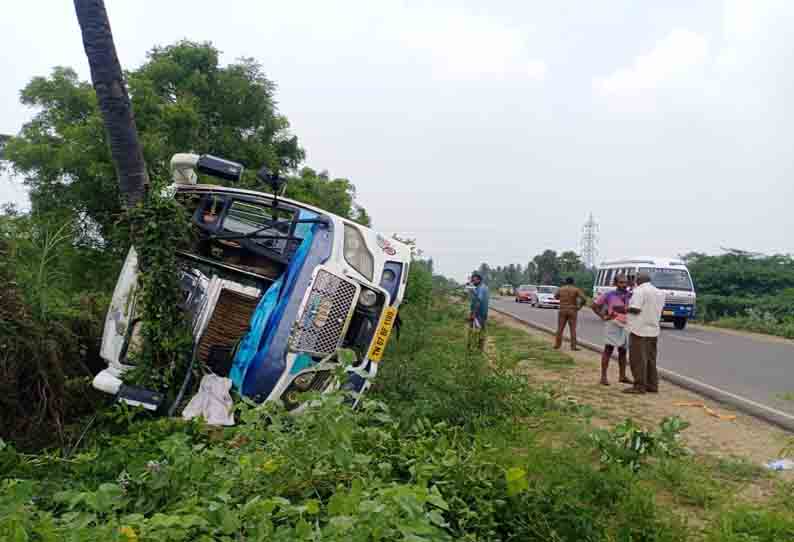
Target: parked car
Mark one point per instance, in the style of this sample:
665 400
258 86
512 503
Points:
527 293
546 299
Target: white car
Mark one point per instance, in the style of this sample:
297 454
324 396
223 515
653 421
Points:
546 297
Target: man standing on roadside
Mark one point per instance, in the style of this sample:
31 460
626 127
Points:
645 312
478 313
611 308
572 299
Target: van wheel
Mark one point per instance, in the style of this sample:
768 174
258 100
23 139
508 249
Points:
679 323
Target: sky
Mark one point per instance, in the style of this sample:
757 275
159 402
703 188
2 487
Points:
489 131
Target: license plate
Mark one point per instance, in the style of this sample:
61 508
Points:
382 334
667 313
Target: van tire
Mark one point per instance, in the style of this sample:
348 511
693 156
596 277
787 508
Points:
679 323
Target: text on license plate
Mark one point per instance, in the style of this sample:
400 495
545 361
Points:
382 334
667 313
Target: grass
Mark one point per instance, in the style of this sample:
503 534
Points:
514 348
740 470
764 324
451 445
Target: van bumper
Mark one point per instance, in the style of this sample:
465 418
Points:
672 311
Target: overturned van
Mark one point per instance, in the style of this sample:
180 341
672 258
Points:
273 289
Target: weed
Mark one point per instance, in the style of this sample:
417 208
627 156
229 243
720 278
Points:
629 445
740 470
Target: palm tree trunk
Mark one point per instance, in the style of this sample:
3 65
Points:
113 99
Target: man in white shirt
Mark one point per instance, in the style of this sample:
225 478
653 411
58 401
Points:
644 314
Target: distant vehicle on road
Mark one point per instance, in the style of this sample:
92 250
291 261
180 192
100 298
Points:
506 289
527 293
668 274
546 299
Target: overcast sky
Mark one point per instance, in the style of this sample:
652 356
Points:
489 130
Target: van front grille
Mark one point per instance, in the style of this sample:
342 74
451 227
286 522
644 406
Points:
321 325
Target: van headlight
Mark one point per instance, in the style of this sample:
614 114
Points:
356 252
367 298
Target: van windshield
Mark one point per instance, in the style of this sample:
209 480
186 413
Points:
669 279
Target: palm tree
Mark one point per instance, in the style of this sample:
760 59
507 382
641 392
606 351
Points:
113 99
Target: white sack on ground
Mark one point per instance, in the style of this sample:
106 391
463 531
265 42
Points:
212 402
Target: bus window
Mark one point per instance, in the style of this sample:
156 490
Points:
608 278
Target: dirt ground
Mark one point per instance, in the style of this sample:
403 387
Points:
732 435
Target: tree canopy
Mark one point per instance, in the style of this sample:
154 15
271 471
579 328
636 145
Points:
545 268
184 101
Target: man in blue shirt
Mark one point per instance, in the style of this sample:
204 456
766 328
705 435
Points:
479 308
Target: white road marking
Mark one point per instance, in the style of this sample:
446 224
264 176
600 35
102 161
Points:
689 339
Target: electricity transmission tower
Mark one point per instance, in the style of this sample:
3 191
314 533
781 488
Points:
589 242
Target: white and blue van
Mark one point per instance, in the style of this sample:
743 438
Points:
668 274
272 288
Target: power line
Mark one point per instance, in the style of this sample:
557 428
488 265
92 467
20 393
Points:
589 242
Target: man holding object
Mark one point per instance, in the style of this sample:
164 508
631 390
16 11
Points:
611 308
645 312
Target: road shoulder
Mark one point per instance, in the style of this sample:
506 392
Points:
715 430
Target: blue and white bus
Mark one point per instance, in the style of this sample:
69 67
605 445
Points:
668 274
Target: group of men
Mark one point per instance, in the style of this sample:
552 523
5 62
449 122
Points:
631 314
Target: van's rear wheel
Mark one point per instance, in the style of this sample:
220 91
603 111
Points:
679 323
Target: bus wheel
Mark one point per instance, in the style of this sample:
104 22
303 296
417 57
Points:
679 323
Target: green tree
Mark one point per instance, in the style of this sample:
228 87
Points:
530 273
335 195
548 267
184 100
570 262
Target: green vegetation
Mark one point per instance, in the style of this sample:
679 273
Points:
52 305
60 260
450 446
545 268
184 100
745 291
160 227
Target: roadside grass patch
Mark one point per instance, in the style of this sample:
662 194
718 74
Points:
738 469
514 347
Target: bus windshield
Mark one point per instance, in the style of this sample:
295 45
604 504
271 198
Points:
669 279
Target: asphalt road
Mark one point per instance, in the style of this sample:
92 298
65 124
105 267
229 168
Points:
755 368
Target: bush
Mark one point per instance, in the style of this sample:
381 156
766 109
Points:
50 332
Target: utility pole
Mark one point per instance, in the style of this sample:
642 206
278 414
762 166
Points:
589 243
